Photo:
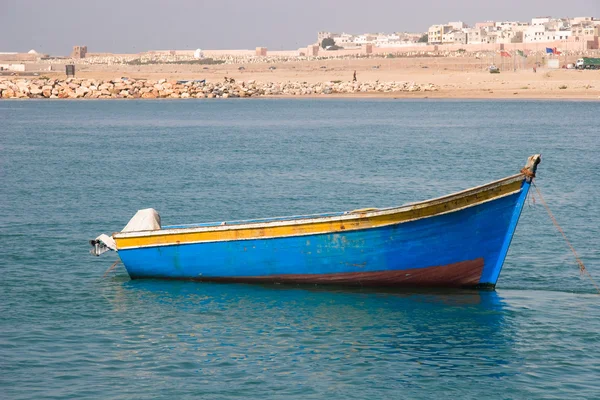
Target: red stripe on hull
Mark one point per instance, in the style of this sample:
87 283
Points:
460 274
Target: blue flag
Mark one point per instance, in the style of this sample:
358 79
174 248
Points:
549 50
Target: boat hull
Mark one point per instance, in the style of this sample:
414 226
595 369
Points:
465 247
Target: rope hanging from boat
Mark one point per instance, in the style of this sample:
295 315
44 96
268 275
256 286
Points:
582 268
111 268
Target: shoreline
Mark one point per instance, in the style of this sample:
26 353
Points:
465 78
441 96
553 85
355 96
362 96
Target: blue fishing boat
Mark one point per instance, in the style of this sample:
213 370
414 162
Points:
458 240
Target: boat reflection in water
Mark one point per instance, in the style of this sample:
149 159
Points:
278 327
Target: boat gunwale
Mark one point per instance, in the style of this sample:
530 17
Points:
347 216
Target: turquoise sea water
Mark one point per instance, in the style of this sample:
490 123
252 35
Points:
72 170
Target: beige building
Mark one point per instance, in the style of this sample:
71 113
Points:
490 38
509 36
31 67
591 20
581 29
323 35
312 50
79 51
435 33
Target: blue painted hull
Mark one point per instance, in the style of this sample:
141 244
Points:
431 251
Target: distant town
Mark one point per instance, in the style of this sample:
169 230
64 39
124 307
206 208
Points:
580 30
572 38
450 60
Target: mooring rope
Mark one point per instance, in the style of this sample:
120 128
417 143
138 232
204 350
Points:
111 268
582 268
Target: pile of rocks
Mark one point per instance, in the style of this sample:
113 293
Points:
338 87
73 88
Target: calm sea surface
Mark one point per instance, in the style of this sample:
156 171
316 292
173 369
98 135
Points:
72 170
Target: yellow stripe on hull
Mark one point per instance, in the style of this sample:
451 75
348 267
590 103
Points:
361 219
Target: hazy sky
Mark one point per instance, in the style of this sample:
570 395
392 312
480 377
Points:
54 26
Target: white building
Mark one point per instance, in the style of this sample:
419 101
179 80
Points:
541 29
363 39
534 33
511 26
475 35
458 25
344 39
552 36
540 20
539 34
377 39
455 36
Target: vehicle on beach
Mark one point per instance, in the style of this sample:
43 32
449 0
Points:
493 69
458 240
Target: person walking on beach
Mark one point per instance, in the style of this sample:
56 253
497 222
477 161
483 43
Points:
354 78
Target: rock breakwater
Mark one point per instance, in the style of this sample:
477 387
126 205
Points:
75 88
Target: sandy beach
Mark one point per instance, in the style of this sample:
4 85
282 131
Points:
453 77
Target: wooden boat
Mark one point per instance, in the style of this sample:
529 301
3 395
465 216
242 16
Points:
459 240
